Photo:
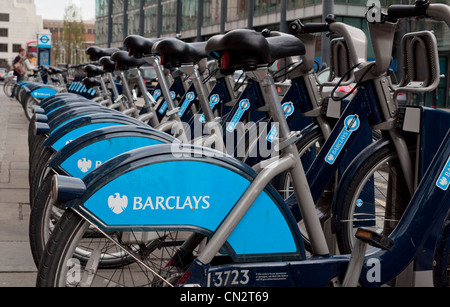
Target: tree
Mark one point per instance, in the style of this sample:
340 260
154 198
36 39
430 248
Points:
73 35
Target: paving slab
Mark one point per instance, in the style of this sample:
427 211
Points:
17 268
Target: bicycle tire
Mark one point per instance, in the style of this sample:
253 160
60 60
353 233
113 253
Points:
36 171
8 88
39 225
55 267
375 198
28 107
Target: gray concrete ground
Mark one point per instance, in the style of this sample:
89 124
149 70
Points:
17 268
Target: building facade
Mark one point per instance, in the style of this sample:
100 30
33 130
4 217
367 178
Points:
198 20
59 54
19 27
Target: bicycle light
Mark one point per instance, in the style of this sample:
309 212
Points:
66 188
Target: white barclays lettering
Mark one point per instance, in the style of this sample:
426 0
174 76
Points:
171 203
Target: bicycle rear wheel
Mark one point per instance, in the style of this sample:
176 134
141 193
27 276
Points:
74 257
8 88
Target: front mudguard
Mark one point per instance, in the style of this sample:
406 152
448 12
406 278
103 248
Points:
186 188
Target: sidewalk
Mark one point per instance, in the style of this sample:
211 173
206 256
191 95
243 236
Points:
17 268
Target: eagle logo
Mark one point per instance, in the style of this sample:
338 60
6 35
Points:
84 165
117 204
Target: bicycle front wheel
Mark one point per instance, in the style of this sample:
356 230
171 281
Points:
376 197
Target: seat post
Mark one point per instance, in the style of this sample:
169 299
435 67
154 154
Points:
300 182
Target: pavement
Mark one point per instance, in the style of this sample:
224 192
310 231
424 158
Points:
17 268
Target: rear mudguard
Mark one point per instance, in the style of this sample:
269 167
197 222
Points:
80 157
58 97
64 113
348 176
77 127
72 102
75 114
67 110
182 187
43 92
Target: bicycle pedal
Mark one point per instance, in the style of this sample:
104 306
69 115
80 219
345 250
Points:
374 239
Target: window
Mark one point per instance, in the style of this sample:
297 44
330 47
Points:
169 17
211 12
266 7
237 9
4 17
3 32
189 14
16 47
101 8
3 47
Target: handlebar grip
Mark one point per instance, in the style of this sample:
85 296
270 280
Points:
297 27
316 27
404 11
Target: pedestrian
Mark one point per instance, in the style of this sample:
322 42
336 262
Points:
27 67
18 72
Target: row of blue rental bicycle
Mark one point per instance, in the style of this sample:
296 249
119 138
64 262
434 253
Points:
218 182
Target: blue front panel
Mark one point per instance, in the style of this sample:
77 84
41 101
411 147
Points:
72 135
92 156
43 93
193 195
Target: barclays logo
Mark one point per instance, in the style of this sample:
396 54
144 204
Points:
84 165
118 203
443 181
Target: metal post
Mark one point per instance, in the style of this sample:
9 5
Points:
110 28
179 16
199 20
251 9
159 20
141 18
223 15
325 51
283 12
125 19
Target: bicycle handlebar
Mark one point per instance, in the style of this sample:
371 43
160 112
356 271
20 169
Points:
297 27
421 8
404 11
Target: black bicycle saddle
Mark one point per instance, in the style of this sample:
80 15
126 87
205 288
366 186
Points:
95 53
124 61
139 46
247 49
93 70
175 52
91 82
107 63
